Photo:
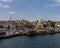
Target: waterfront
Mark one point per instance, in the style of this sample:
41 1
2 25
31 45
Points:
39 41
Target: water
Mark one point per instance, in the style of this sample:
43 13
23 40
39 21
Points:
40 41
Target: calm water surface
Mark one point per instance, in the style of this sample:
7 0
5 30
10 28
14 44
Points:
40 41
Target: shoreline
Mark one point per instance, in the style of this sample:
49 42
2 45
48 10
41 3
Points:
15 35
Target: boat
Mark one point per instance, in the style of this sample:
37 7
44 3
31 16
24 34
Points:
41 32
51 30
31 32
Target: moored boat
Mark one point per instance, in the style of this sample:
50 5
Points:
50 30
41 32
31 32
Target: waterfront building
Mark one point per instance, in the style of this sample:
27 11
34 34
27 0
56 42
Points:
57 26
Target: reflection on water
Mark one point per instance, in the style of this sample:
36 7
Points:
40 41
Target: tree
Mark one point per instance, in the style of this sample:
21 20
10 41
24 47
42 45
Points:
16 26
37 21
44 25
51 23
30 26
1 26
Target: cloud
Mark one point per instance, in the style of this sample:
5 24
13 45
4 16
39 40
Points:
6 0
53 5
4 6
11 12
57 1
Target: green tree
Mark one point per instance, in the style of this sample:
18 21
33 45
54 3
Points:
1 26
44 25
30 26
37 21
16 26
51 23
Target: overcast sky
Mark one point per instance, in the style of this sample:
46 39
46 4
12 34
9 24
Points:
30 9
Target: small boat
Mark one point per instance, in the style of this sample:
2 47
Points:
41 32
51 30
31 32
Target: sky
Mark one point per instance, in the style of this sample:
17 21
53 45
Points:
30 9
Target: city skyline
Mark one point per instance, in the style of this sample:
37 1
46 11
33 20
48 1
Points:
30 9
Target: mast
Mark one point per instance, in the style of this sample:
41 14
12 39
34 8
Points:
10 21
10 18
